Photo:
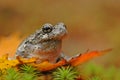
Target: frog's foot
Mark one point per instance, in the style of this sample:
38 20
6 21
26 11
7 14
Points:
62 56
58 59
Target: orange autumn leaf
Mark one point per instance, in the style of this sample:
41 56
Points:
5 63
46 66
9 45
86 56
25 60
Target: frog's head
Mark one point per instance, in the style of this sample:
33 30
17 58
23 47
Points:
58 31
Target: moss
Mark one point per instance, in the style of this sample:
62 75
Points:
65 73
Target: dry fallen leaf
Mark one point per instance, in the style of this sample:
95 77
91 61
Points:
46 66
5 63
86 56
9 45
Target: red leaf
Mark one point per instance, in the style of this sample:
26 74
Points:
86 56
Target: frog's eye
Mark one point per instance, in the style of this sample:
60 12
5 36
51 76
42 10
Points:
47 28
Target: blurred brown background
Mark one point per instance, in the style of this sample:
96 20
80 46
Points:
92 24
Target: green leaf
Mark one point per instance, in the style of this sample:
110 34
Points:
12 74
65 73
27 76
29 69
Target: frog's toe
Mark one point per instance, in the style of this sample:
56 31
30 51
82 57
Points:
58 59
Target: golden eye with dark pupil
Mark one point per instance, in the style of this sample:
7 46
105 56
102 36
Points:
47 29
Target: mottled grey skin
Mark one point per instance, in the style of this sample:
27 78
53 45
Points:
44 46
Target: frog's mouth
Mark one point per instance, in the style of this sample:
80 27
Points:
59 31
